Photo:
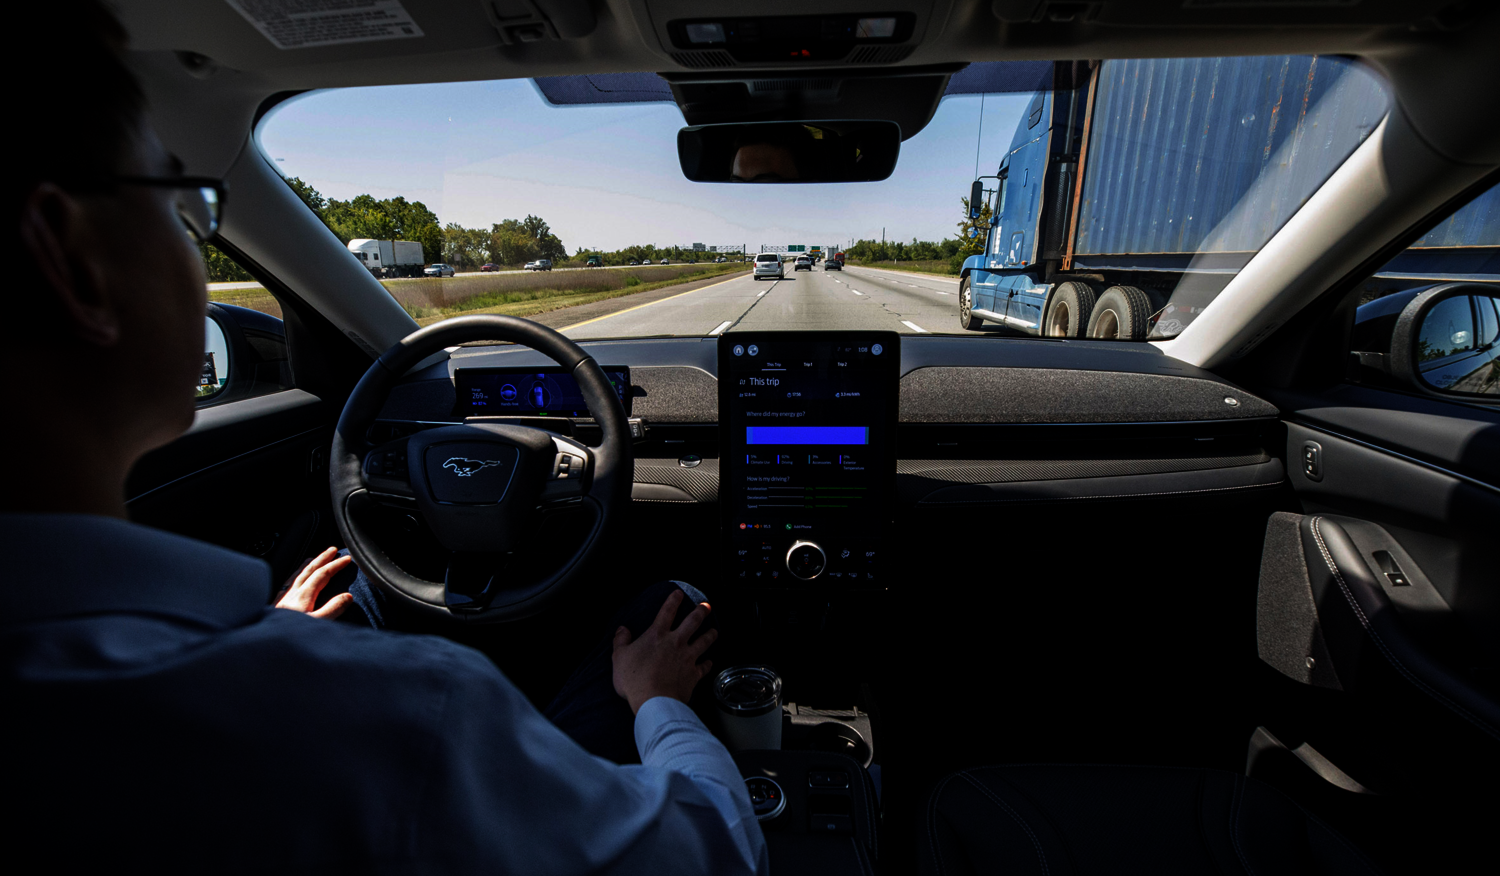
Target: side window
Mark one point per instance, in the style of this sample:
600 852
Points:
245 349
1429 319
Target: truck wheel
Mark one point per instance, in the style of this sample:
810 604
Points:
1068 311
966 318
1121 314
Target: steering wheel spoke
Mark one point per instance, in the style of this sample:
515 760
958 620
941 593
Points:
385 471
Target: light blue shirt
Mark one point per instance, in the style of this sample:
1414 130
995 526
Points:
160 712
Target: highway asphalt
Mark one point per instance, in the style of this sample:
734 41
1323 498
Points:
855 298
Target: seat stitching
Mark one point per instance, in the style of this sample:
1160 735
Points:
995 798
1201 807
932 816
1234 825
1395 661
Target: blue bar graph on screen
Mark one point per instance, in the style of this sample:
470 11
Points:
807 435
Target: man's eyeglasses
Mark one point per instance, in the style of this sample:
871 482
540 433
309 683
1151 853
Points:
200 200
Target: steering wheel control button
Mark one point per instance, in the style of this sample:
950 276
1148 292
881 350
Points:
568 466
470 473
806 560
766 797
386 463
690 461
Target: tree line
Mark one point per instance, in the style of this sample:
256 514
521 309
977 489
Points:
512 242
970 241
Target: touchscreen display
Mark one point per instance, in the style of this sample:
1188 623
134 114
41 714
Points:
807 471
533 392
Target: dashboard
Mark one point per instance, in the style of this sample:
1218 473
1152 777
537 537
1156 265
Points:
985 431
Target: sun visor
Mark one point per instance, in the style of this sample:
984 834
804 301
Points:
992 77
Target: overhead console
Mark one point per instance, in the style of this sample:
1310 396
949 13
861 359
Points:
796 39
807 472
782 33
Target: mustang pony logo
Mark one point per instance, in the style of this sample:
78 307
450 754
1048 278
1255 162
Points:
466 467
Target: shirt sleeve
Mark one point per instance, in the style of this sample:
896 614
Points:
505 791
670 736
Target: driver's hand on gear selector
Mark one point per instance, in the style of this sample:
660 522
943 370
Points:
663 662
300 593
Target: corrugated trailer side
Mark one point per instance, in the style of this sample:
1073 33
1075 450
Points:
1208 155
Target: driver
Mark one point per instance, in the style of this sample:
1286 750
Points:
161 714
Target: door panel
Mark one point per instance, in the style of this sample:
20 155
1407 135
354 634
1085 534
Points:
1384 591
249 475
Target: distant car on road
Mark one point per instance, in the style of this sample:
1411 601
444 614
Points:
768 264
803 263
665 262
539 265
835 262
487 267
438 270
594 262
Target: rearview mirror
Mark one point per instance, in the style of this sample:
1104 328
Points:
790 152
976 198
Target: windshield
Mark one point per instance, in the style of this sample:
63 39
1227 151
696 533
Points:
1113 200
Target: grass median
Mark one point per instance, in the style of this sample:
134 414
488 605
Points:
941 267
431 300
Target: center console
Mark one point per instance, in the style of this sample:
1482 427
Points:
807 470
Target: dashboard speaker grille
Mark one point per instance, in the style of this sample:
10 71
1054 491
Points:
703 60
879 54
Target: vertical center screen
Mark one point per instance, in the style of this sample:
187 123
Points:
808 457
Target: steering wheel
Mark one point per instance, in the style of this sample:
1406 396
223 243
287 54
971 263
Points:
482 489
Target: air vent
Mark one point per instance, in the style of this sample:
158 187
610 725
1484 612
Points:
703 60
880 54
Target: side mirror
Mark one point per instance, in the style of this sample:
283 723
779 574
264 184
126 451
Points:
216 363
1445 340
790 152
245 355
976 199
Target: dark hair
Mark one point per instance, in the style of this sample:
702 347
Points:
85 103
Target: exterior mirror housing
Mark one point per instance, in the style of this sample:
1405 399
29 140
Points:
789 152
1443 339
976 199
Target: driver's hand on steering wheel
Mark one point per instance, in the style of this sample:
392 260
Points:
663 662
300 592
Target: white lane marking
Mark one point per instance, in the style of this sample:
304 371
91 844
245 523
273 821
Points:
647 304
914 327
720 330
763 293
941 292
856 292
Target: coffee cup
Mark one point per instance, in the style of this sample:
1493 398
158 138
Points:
749 699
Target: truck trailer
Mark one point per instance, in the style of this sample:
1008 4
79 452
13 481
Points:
389 258
1134 190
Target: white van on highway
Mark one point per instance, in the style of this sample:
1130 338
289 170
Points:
768 264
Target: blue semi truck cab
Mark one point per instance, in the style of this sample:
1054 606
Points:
1133 191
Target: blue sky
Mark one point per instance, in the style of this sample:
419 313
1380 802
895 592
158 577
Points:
607 177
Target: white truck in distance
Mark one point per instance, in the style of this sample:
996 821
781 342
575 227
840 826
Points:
388 258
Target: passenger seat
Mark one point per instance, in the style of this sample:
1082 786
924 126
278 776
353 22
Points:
1085 820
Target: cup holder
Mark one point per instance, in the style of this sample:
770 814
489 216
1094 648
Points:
838 738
